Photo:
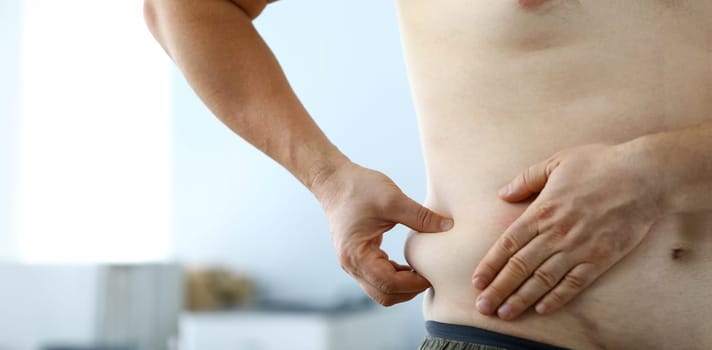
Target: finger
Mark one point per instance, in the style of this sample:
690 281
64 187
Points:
530 181
400 267
571 285
543 280
394 285
513 239
420 218
515 272
385 299
387 279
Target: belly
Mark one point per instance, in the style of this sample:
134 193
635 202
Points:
500 85
656 298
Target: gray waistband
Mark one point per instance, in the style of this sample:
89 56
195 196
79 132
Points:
481 336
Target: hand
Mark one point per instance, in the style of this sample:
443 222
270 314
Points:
595 204
361 205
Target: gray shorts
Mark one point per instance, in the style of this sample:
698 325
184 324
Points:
432 343
444 336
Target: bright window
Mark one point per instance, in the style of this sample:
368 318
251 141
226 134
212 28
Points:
94 137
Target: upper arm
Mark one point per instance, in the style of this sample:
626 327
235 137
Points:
153 8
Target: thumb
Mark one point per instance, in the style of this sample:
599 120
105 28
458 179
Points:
530 181
420 218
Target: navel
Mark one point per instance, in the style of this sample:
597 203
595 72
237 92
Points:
678 253
681 251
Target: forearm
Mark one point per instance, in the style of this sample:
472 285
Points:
681 165
235 74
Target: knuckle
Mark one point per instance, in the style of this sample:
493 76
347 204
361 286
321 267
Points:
518 301
545 210
389 302
561 229
556 298
534 227
526 176
392 203
350 270
486 269
425 217
545 277
518 267
551 164
347 260
383 300
497 294
508 244
600 252
574 282
344 257
386 287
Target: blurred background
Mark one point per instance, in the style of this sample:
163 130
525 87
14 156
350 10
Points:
131 219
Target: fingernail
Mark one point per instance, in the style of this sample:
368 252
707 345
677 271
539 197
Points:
484 306
446 224
505 311
479 282
541 308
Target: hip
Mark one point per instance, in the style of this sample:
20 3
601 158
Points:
654 298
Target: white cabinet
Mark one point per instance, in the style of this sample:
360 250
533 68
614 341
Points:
373 329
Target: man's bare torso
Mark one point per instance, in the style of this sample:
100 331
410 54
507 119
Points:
500 85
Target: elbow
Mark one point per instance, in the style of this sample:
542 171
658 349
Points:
153 10
150 15
252 8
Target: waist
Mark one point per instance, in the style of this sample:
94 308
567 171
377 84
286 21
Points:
444 335
644 301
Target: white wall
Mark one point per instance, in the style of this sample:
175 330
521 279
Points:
40 305
10 14
234 205
94 135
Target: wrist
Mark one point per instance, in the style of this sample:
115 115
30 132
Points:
646 157
322 175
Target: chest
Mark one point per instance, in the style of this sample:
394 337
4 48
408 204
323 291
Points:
541 24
